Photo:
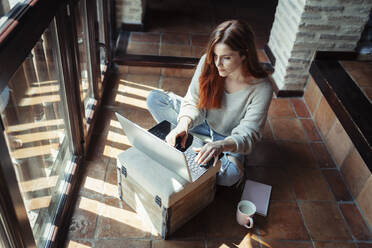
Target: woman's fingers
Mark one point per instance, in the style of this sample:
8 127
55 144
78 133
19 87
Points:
184 140
204 154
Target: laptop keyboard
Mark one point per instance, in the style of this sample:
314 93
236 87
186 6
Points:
196 170
158 133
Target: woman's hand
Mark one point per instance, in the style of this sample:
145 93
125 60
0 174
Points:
181 130
208 151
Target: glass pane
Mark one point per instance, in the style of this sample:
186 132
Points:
4 239
101 37
7 5
84 55
36 129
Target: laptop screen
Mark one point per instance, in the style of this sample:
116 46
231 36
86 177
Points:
155 148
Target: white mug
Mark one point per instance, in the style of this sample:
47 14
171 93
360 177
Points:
244 213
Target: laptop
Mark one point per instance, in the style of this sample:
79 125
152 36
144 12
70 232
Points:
152 143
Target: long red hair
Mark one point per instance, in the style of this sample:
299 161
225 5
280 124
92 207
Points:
238 35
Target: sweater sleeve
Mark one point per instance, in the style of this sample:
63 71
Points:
250 128
191 99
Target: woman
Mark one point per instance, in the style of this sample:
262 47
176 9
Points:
228 100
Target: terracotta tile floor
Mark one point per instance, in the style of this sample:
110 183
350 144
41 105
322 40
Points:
183 30
310 205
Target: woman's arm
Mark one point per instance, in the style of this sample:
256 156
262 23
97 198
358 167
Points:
250 128
191 99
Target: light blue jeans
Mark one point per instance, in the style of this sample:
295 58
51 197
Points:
166 106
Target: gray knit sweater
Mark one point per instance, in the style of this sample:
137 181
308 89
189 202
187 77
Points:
242 115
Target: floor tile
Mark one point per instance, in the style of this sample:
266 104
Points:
97 146
296 154
178 72
309 184
284 221
337 185
249 241
144 37
334 245
140 48
178 86
103 123
281 107
267 132
322 155
355 172
177 244
93 179
224 225
194 229
356 223
300 108
117 220
175 50
120 243
286 244
199 40
283 153
310 129
368 92
84 219
122 69
78 244
175 38
364 245
265 153
361 75
144 70
144 80
364 200
199 51
288 129
319 215
110 188
276 177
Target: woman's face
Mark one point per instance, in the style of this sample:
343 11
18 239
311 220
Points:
227 60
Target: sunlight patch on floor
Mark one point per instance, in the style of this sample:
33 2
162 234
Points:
113 152
135 102
124 216
74 244
93 184
118 138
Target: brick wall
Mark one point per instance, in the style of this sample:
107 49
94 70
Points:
303 26
130 11
354 170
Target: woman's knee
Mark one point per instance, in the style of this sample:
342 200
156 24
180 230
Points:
155 98
229 174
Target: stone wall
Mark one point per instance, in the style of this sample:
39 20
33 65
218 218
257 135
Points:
303 26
